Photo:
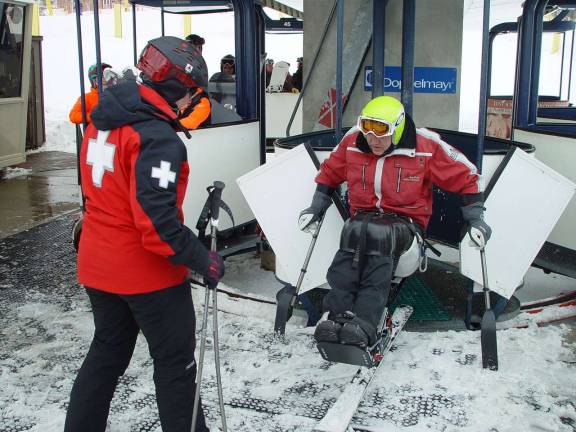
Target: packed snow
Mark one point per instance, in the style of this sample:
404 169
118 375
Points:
10 173
431 382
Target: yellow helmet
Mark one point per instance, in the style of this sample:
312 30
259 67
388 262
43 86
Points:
383 116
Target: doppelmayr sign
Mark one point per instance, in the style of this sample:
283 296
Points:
426 79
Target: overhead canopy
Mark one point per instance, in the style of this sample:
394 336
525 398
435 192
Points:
188 6
207 6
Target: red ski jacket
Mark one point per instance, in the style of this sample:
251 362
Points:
401 180
134 174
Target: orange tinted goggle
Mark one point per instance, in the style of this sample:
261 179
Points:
377 127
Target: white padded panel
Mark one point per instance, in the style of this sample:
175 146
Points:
221 153
522 209
277 192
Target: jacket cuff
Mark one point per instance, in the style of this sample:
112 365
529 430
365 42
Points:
472 198
194 256
325 189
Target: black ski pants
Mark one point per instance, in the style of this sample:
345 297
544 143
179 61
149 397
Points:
168 322
365 293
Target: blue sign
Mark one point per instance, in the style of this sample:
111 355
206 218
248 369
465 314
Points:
426 79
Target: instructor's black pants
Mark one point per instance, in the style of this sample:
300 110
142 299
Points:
364 293
168 322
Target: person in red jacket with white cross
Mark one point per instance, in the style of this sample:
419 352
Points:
135 252
390 168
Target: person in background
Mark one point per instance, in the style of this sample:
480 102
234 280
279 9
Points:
269 67
390 167
91 98
196 41
287 86
297 76
135 252
227 70
195 109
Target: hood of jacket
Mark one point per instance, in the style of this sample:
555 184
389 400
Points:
408 140
128 103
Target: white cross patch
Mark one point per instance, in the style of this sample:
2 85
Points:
100 156
164 174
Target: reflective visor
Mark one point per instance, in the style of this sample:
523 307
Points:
377 127
159 68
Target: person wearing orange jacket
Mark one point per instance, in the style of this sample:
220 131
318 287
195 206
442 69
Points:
91 97
196 111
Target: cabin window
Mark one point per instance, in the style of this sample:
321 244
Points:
11 49
555 68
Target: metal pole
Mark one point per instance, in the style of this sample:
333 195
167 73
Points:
81 67
134 47
408 29
562 65
200 363
570 68
311 67
82 91
97 36
524 58
536 56
483 85
378 46
339 49
162 19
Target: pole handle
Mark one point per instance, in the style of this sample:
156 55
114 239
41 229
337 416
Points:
215 200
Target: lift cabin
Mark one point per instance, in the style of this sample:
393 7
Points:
234 142
544 114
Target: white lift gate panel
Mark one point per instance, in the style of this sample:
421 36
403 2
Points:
277 192
220 153
522 209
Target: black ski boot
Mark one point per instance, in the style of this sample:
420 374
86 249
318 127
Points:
327 331
356 331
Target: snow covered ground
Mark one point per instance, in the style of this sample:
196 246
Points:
433 381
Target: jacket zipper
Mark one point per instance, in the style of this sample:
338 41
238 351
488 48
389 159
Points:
398 179
364 176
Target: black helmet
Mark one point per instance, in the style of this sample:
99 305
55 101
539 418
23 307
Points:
230 60
171 66
194 39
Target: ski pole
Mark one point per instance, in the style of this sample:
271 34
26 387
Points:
287 299
214 213
488 340
216 194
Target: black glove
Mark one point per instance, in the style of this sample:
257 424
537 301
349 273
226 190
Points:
215 270
478 230
308 220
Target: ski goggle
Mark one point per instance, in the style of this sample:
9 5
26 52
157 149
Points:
154 64
228 62
378 127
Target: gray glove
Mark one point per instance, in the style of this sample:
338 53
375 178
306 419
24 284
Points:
309 218
478 230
